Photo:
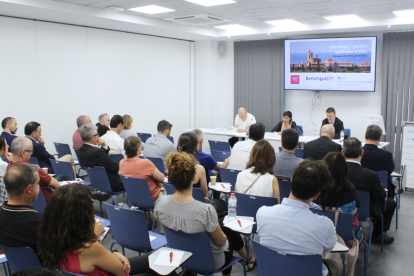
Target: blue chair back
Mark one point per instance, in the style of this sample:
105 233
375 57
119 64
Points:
347 132
202 259
116 157
144 136
383 175
344 225
20 258
197 192
220 156
77 157
247 205
299 153
138 192
129 227
271 263
169 188
285 186
62 168
364 210
171 139
34 161
280 149
67 273
40 203
157 162
229 176
62 149
3 157
219 146
99 179
299 129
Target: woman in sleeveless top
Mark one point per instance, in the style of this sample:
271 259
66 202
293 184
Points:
66 238
257 178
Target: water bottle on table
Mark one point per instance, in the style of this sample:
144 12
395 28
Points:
316 133
232 202
342 136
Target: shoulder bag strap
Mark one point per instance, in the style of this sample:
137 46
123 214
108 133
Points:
252 183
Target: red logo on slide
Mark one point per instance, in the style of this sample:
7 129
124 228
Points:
294 79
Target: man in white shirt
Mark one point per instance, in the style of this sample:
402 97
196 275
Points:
243 120
291 228
240 153
112 138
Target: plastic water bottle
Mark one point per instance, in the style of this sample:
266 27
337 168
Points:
342 136
316 133
232 202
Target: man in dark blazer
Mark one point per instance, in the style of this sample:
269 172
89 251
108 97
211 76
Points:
317 149
9 125
334 121
94 152
367 180
103 124
376 159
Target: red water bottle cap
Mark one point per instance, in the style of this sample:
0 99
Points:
232 194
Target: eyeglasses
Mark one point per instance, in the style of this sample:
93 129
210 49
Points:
32 151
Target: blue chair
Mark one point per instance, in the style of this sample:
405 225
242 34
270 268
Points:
62 168
62 149
229 176
398 193
144 136
116 157
157 162
40 203
284 187
20 258
219 146
100 181
197 192
3 261
201 262
34 161
364 215
171 139
139 194
169 188
280 149
347 132
299 153
299 129
80 165
271 263
130 230
3 157
220 156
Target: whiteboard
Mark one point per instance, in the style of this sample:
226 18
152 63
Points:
407 154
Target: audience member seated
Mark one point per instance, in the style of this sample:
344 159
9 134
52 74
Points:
187 142
133 166
240 152
317 149
103 124
94 152
367 180
291 228
112 138
257 178
4 152
242 122
286 161
340 195
33 131
180 212
127 131
18 220
376 159
22 149
334 121
9 125
286 123
67 239
76 138
159 145
36 271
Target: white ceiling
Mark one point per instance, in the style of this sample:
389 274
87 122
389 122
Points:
377 15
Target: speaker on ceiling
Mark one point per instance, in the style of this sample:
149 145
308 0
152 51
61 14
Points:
222 48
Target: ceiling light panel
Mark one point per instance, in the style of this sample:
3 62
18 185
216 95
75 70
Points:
233 27
346 17
208 3
404 13
151 9
283 22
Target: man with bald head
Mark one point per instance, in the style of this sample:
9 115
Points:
80 121
317 149
242 122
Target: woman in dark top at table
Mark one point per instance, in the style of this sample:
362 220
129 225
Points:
340 195
285 123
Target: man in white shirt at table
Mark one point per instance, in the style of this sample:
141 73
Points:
242 122
291 228
112 138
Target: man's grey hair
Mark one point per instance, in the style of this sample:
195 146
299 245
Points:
199 134
101 116
352 148
18 177
80 121
373 133
87 131
20 144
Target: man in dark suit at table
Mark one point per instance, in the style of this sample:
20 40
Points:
376 159
94 152
103 124
317 149
334 121
367 180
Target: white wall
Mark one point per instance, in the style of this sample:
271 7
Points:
214 85
52 73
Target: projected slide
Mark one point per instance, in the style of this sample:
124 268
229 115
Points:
331 64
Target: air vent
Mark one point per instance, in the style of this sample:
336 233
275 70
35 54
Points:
198 19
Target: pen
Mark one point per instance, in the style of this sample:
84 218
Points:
171 256
68 182
239 223
223 186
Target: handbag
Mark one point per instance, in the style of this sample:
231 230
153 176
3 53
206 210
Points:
220 206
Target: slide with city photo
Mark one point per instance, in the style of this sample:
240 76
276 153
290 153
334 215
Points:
341 64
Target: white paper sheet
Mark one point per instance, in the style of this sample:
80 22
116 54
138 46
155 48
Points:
219 186
235 225
164 258
152 238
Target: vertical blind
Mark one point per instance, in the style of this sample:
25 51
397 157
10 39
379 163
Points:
258 79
